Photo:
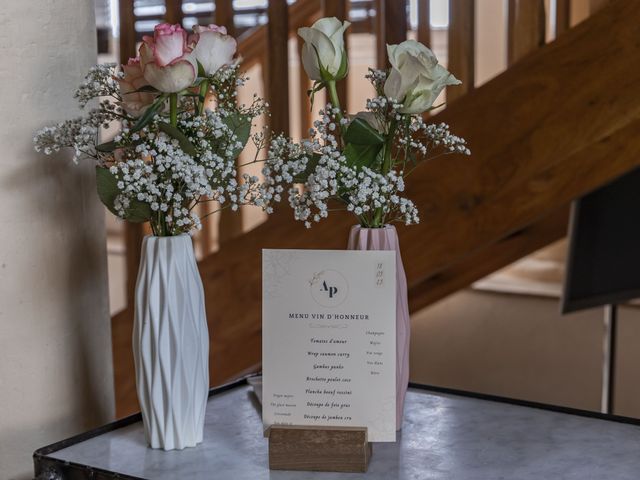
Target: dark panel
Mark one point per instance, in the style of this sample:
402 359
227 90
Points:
604 252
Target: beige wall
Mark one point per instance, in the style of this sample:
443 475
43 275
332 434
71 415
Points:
55 352
626 399
510 345
519 346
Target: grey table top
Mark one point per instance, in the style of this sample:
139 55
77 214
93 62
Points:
444 437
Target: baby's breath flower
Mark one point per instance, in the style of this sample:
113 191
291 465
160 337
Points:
326 173
155 174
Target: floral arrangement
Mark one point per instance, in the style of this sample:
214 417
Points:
361 161
171 151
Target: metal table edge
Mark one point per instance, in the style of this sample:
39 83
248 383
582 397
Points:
49 468
528 403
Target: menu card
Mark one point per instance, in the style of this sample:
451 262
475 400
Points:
329 339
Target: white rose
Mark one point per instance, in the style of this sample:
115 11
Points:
167 62
213 47
416 78
323 55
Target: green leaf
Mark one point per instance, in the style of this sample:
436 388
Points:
317 86
361 155
186 146
138 212
201 71
312 163
107 147
359 132
147 88
107 185
149 113
240 125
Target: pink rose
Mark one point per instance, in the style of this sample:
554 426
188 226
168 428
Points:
214 48
168 63
134 102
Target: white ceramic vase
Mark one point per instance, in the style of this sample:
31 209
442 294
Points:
171 343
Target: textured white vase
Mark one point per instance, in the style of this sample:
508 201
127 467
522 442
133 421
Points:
171 343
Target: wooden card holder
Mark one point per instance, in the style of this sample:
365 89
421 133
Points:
320 449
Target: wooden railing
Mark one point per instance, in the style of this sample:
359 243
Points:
558 123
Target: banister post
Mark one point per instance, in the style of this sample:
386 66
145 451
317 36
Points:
461 46
424 22
225 16
277 68
391 27
526 28
563 16
133 232
127 30
173 11
230 224
305 103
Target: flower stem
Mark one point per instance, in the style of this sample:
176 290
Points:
335 101
387 164
204 88
333 93
173 108
388 146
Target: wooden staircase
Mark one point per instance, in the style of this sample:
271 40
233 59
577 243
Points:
560 122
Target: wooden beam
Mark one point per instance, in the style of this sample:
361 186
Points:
127 30
461 46
563 16
173 11
424 22
391 27
595 5
278 68
526 28
225 16
478 265
340 10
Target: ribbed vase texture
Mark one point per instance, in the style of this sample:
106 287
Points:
171 343
386 238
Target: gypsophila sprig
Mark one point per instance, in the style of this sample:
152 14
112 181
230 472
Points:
180 131
101 81
359 163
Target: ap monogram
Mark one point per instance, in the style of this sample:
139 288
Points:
330 290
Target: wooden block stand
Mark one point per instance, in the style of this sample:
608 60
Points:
319 449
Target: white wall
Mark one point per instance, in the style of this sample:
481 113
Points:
55 344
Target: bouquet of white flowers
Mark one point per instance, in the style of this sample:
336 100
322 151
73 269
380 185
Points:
362 160
171 150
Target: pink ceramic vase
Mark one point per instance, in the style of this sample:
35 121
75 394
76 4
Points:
386 238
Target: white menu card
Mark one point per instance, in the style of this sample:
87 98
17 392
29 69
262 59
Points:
329 339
